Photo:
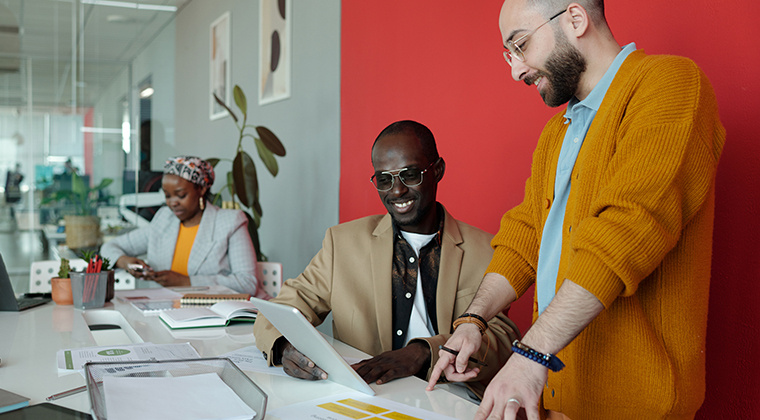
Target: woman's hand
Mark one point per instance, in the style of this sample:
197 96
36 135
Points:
168 278
130 263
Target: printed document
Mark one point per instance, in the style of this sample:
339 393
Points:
353 405
74 359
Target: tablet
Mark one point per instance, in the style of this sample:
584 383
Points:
291 323
45 411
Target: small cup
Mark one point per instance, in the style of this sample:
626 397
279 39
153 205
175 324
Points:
61 291
89 289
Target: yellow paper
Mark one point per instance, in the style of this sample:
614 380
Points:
363 406
344 411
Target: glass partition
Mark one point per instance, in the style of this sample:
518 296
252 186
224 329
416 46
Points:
76 95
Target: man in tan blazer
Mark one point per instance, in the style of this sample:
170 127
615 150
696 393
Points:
394 282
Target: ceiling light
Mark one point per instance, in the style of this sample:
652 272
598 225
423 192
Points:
131 5
146 92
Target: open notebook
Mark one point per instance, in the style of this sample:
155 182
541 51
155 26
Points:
217 315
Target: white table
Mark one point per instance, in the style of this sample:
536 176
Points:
30 339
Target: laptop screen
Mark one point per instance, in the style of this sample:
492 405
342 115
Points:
8 300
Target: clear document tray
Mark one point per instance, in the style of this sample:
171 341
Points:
230 374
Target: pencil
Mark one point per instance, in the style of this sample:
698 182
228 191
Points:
456 353
72 391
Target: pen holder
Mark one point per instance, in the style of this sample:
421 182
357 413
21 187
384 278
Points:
111 285
89 289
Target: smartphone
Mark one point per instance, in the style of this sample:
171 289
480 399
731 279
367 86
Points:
136 267
45 411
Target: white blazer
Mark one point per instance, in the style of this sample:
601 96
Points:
221 254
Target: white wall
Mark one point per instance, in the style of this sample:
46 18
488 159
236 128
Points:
302 201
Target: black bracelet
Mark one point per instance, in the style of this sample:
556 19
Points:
548 360
476 316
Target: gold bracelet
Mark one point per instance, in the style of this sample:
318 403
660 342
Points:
479 322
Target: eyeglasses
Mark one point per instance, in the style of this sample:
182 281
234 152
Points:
411 177
513 47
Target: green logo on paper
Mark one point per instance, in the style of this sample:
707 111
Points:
113 352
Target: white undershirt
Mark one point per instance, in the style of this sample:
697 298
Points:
419 321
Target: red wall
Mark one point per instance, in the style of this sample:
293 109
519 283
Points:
439 62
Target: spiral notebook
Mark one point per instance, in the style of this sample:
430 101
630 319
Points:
208 299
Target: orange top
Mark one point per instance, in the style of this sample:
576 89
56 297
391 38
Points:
185 240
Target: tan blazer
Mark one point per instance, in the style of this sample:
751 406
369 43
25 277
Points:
351 276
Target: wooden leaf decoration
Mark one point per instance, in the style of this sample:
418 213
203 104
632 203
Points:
270 140
240 100
246 181
220 102
267 157
212 161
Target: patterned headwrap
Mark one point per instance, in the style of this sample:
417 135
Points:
191 168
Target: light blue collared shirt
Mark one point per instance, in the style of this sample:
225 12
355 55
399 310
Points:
579 116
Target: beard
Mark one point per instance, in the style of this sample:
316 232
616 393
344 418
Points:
564 68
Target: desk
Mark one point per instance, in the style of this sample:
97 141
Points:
30 339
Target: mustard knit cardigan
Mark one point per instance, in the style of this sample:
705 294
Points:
638 235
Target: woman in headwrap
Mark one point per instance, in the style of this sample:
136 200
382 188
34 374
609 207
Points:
189 241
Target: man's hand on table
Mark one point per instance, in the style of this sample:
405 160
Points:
295 364
390 365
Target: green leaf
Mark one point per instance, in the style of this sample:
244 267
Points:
256 219
231 183
240 100
246 181
257 208
253 232
104 183
270 140
77 185
267 157
212 161
220 102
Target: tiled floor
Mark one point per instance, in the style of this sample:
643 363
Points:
19 248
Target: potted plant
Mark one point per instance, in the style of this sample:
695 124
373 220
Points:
60 286
242 181
82 228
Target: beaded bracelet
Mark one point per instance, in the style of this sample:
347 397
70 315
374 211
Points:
548 360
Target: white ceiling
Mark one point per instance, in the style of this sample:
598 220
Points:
108 35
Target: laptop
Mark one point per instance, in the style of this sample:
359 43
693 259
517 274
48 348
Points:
291 323
8 301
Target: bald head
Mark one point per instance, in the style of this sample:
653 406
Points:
547 8
420 131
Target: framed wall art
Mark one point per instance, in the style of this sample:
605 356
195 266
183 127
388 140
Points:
219 58
274 50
